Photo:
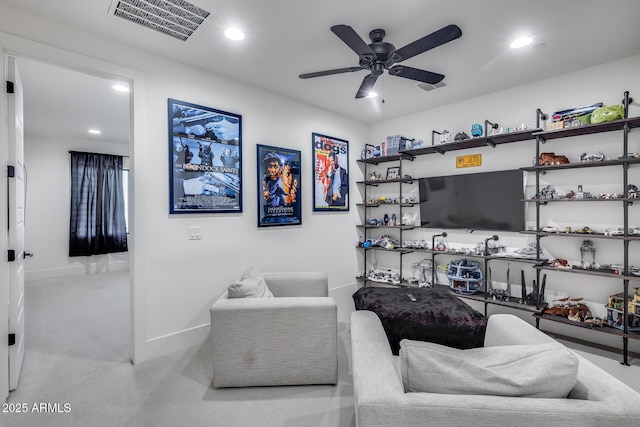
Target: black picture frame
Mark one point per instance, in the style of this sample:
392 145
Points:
393 173
330 193
205 159
279 186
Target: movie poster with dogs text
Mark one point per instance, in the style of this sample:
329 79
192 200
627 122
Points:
205 157
330 173
279 197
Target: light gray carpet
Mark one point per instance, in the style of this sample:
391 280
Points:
78 354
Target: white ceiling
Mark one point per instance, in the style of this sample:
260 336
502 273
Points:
64 104
286 38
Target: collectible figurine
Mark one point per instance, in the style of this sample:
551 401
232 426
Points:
445 137
592 157
476 130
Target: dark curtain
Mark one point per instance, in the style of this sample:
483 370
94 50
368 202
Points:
97 205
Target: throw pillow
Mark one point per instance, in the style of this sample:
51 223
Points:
541 370
250 285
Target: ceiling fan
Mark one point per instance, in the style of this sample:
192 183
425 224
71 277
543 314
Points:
379 55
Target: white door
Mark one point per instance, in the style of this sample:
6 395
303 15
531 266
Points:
16 202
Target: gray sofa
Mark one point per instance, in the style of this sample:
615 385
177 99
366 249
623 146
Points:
598 399
287 340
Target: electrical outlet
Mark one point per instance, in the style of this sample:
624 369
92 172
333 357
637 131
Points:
195 233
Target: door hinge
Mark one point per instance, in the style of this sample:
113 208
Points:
11 171
11 255
10 87
12 339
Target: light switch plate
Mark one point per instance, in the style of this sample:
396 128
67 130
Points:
195 232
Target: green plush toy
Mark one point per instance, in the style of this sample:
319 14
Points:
607 113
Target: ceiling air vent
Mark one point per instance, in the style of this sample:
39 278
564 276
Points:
427 87
176 18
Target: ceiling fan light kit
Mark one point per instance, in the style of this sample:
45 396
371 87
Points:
379 56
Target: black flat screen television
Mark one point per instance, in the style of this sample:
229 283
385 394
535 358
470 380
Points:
476 201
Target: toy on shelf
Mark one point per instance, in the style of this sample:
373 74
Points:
384 276
573 117
573 309
476 130
547 159
608 113
536 297
465 277
584 157
416 244
461 136
499 293
615 311
445 137
420 270
587 247
385 241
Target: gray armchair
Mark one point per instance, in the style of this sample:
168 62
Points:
287 340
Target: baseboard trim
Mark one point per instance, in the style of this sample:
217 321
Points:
177 341
76 270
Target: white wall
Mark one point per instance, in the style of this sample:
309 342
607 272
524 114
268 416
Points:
510 108
178 279
47 214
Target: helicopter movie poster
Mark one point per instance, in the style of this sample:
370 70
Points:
330 174
278 186
205 159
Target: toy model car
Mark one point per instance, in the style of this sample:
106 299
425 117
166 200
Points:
632 231
585 230
550 229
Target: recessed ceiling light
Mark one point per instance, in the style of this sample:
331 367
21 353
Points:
372 94
521 42
120 88
234 34
94 131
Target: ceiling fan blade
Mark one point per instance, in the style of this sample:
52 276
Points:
330 72
435 39
366 86
415 74
353 40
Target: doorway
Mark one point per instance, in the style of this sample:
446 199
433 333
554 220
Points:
68 110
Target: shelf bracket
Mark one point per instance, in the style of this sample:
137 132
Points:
486 131
433 136
540 116
625 102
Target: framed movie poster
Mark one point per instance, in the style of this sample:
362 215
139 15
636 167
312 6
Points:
279 198
330 173
205 159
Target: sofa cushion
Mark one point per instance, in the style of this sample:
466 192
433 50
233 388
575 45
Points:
540 370
250 285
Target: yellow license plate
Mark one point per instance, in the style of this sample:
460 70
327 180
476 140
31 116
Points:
470 161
